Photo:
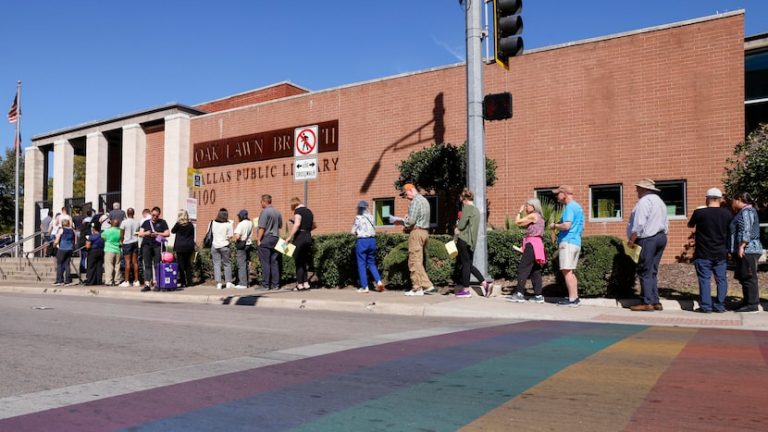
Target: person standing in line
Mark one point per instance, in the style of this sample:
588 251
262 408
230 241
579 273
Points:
85 231
65 242
745 248
129 229
534 256
417 223
184 246
301 236
466 231
569 230
45 228
154 233
220 253
365 248
242 238
111 238
145 216
710 256
55 228
116 213
95 245
267 235
648 226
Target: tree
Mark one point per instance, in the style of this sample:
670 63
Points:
747 169
8 190
441 170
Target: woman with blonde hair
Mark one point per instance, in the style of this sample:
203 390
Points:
184 246
303 224
534 258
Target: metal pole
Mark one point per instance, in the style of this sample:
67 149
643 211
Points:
475 138
306 193
17 145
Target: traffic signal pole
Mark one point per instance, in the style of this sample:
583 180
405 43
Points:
475 135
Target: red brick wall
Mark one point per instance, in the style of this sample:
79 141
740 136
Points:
665 104
253 97
153 183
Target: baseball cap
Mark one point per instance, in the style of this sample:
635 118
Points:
243 214
408 186
362 204
714 193
563 188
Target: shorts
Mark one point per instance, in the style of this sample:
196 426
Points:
568 256
130 248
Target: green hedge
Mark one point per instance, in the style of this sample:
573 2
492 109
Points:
603 268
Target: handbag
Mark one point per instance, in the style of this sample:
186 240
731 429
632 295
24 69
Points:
208 239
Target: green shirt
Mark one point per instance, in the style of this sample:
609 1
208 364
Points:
111 238
418 213
469 224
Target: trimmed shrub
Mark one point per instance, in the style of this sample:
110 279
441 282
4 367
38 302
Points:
604 269
503 259
439 265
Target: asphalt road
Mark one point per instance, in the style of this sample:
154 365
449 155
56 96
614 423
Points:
94 365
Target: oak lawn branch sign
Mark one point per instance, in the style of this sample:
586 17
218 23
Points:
261 146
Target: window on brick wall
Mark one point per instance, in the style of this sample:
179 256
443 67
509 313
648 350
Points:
605 202
545 195
383 209
673 193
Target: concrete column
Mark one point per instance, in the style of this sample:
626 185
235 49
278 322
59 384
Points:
34 176
95 167
175 164
63 173
134 167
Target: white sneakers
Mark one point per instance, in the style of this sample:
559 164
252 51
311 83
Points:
363 290
219 286
241 287
125 284
415 293
230 285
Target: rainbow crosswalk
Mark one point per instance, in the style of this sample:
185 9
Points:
536 375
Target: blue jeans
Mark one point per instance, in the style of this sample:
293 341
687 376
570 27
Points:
704 270
365 250
648 267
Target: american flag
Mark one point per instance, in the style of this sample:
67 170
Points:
13 113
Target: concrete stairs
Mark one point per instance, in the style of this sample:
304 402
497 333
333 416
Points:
32 270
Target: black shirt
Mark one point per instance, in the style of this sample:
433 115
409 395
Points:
185 237
160 225
307 218
711 225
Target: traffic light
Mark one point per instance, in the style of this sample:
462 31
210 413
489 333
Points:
497 106
507 27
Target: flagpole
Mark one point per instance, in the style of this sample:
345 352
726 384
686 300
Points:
17 144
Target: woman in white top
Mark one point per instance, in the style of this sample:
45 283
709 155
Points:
221 227
365 247
242 238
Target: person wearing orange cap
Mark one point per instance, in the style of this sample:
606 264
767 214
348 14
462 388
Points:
417 222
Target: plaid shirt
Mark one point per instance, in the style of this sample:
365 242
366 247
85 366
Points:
418 213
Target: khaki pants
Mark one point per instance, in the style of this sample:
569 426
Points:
112 268
417 241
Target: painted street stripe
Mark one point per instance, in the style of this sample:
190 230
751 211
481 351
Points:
599 393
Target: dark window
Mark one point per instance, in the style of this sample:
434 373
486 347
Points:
605 202
673 194
383 209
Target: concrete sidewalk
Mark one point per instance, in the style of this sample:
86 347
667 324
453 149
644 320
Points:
676 313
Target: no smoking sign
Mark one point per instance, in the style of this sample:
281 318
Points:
305 141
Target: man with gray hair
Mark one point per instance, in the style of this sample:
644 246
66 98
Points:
267 235
116 213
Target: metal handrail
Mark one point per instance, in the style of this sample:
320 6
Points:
13 246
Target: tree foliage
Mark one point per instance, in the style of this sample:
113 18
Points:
747 169
8 188
441 170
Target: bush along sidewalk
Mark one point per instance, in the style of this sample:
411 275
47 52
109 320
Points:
603 271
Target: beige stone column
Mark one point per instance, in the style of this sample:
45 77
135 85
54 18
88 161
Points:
63 173
95 167
134 167
175 163
34 176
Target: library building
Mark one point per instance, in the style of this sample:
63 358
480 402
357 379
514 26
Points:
667 103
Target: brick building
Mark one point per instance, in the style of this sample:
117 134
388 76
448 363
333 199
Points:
666 102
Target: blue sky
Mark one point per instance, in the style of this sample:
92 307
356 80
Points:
81 61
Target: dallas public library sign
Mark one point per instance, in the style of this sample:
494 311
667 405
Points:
258 147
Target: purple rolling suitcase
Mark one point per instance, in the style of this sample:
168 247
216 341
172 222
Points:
167 276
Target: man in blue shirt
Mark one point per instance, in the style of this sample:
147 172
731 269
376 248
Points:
648 227
569 229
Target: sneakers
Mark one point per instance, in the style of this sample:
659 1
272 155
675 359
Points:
230 285
380 286
517 297
486 287
241 287
125 284
537 299
219 286
136 284
146 288
464 293
415 293
748 309
568 302
430 290
57 284
363 290
68 284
